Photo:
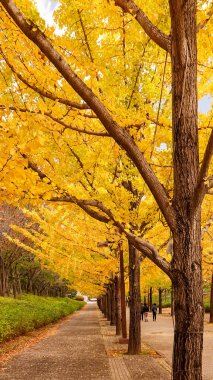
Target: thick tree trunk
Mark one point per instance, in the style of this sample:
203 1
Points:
186 261
172 302
134 346
211 302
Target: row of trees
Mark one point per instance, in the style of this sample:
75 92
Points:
20 270
147 181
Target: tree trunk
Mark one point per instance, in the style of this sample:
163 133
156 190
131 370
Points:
117 305
186 262
113 311
134 346
160 291
108 305
150 298
211 302
123 302
105 305
172 302
2 277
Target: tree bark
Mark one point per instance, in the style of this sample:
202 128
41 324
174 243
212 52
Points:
150 298
118 305
109 307
160 291
113 305
186 262
134 346
211 302
123 301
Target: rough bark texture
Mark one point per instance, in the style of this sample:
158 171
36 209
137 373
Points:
134 346
186 262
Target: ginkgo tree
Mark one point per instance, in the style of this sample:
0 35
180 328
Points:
65 242
72 64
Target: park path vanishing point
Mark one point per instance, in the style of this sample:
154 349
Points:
83 347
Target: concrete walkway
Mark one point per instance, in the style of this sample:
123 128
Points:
83 347
159 335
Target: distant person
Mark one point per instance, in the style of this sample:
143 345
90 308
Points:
145 311
154 311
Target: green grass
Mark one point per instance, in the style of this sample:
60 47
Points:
19 316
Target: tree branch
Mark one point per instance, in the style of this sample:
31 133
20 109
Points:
202 24
45 94
202 187
142 245
59 121
150 29
120 135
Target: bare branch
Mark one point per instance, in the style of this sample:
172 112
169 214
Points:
150 29
207 226
202 186
150 251
202 24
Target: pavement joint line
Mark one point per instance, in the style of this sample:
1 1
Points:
164 364
118 367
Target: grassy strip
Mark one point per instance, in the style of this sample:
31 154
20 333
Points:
19 316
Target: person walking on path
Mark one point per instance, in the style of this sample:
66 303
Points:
154 311
145 311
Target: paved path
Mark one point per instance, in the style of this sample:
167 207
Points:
83 347
159 335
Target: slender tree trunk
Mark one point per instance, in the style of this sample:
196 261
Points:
108 305
118 305
14 288
113 306
2 277
123 301
134 346
150 298
160 291
105 305
211 302
186 261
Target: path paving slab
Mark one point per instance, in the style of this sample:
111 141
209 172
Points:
84 347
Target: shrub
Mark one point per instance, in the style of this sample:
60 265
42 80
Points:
19 316
79 298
